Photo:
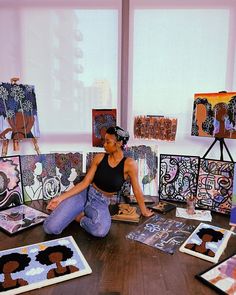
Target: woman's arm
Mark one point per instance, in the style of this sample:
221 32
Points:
132 171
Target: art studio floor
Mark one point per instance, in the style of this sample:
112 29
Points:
121 266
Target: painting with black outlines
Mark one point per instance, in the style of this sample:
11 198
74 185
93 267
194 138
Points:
40 265
178 177
11 193
16 219
215 185
161 233
232 221
18 111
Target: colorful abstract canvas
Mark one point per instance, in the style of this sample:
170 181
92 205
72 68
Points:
11 193
161 233
232 221
221 277
178 177
215 185
39 265
102 119
16 219
18 111
206 242
214 115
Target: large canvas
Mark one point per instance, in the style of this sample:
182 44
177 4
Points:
161 233
18 112
39 265
16 219
11 193
214 115
178 177
221 277
102 120
233 208
215 185
206 242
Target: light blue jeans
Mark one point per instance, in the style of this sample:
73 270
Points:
97 219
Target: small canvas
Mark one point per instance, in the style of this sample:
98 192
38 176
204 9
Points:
162 207
232 221
221 277
207 242
42 264
16 219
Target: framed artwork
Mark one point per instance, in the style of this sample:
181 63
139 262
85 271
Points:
232 221
102 120
11 193
215 185
214 115
16 219
18 112
40 265
221 277
178 177
206 242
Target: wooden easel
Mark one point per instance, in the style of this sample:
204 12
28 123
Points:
16 144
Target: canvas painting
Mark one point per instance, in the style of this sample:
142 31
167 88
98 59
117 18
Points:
11 193
16 219
178 177
162 207
206 242
102 120
215 185
161 233
39 265
214 115
232 221
18 112
221 277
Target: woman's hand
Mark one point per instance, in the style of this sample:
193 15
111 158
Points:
147 213
52 205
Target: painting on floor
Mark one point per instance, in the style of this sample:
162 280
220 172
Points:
215 185
11 193
16 219
18 112
39 265
214 115
178 177
102 119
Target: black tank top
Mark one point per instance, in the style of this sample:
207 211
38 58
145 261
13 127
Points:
107 178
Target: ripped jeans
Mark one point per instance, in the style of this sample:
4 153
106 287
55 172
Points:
97 219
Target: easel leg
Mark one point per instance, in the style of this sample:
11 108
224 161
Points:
5 144
36 147
210 148
16 146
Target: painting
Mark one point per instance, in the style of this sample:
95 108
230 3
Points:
42 264
214 115
178 177
232 221
215 185
161 233
11 193
89 158
162 207
206 242
18 112
221 277
16 219
102 120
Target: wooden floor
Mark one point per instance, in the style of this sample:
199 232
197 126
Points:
122 266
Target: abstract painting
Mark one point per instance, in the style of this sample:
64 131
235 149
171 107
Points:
232 221
39 265
18 218
221 277
102 119
178 177
214 115
215 185
161 233
18 112
206 242
11 193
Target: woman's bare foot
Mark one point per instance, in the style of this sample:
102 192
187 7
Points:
78 217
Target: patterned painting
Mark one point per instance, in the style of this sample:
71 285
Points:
215 185
233 208
89 158
102 119
214 115
11 193
39 265
16 219
161 233
178 177
18 112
